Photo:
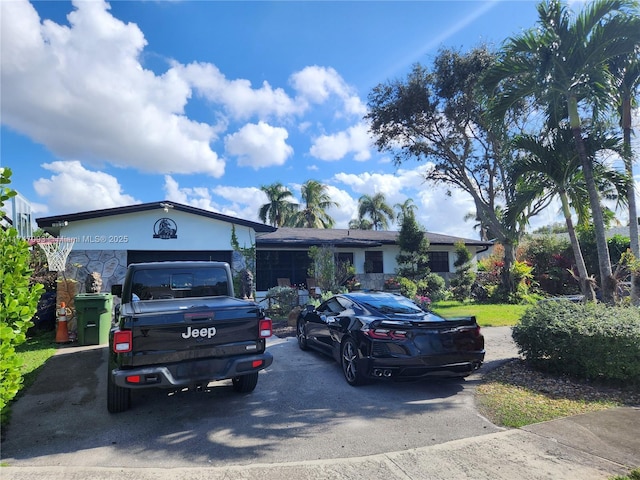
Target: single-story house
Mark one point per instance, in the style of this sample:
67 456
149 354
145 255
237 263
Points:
108 240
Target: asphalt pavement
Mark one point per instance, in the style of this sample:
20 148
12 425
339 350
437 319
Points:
591 446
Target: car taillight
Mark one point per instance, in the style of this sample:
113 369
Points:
385 334
265 328
122 341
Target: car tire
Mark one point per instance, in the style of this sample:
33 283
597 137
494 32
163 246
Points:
302 337
349 363
118 398
245 383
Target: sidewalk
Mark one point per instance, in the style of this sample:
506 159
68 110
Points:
590 446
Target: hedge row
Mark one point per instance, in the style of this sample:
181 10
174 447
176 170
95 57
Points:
590 341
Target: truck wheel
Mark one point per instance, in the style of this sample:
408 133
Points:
245 383
118 398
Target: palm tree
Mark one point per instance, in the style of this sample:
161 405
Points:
376 209
316 202
279 208
563 66
360 224
626 77
552 167
405 208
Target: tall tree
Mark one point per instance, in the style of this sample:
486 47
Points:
279 208
562 65
376 208
413 259
551 167
405 208
438 116
316 203
360 224
626 83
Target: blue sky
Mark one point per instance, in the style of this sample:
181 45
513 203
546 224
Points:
202 102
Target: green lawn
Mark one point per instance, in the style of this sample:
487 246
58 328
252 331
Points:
487 315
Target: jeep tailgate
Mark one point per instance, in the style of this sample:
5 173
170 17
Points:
175 330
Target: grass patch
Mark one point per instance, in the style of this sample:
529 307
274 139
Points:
633 475
33 353
487 314
515 406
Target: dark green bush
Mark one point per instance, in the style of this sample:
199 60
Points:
433 286
592 341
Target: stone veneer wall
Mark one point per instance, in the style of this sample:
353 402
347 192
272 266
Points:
110 264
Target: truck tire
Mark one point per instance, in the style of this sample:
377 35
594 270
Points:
245 383
118 398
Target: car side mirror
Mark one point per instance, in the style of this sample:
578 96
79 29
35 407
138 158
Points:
116 290
309 308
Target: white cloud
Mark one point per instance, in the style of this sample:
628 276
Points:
347 206
436 211
73 188
259 145
334 147
316 84
81 92
238 97
236 202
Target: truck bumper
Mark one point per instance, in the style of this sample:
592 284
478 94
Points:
185 374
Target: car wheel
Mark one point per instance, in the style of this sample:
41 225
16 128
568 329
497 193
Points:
245 383
302 337
118 398
349 361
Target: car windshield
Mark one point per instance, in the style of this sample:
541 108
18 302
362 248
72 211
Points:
391 305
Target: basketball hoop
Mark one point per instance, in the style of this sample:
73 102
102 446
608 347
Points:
56 249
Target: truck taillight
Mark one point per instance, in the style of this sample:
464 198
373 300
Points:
122 341
265 327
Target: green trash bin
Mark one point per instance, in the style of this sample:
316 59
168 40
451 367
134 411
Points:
93 311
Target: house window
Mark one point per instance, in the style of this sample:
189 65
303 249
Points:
373 262
274 264
439 262
344 257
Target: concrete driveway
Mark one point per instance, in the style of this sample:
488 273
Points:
302 409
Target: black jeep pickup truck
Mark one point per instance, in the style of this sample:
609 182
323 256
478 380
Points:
179 325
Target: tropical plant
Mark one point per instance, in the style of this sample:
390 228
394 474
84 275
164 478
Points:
551 166
316 202
626 78
562 66
360 224
405 208
376 208
330 274
279 208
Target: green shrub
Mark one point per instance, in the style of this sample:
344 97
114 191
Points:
282 299
408 287
590 341
434 287
19 305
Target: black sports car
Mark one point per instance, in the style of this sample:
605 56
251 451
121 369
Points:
385 335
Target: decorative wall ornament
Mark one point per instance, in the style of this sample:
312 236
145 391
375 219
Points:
165 228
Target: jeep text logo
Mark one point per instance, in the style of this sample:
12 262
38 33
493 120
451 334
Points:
199 332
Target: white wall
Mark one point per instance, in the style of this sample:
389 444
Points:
134 231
